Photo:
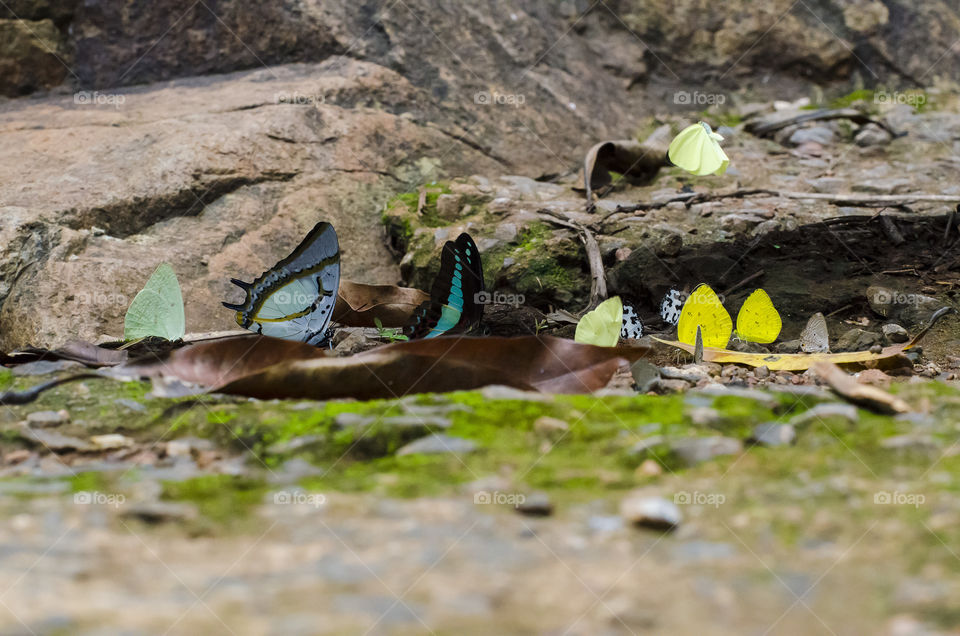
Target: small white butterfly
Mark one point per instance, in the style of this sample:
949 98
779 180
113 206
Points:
671 306
632 326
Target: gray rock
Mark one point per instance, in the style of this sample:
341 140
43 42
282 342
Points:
44 419
847 412
673 373
188 446
815 134
438 444
872 135
740 223
296 444
448 206
650 512
133 405
788 346
602 524
646 445
857 340
830 185
773 434
894 333
44 367
536 504
694 450
645 374
665 386
506 232
883 186
762 398
53 441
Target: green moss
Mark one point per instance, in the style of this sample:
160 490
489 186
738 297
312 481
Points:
6 379
863 95
219 498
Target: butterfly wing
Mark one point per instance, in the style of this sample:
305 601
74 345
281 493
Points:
157 310
685 149
601 326
703 309
814 338
713 160
758 320
455 296
631 326
294 300
670 307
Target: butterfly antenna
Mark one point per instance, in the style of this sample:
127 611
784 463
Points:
698 348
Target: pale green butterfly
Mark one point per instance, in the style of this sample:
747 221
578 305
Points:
696 150
601 326
158 309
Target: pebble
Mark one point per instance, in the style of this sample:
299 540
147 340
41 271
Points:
673 373
111 441
55 441
875 377
788 346
438 444
536 504
703 416
650 512
293 445
910 442
187 446
883 186
550 426
649 468
872 135
694 450
43 419
823 411
814 134
665 386
894 333
645 375
857 340
773 434
133 405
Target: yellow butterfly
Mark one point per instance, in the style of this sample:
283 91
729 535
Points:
758 320
703 309
601 326
696 150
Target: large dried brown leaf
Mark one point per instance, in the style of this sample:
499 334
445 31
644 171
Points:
360 305
268 368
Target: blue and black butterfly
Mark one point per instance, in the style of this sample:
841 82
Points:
457 296
294 299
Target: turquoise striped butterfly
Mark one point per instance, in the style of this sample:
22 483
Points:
457 296
294 300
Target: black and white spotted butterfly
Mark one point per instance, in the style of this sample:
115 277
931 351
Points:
671 306
632 326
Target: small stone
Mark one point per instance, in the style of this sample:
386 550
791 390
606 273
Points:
814 134
872 135
703 416
448 206
17 456
187 446
650 512
694 450
894 333
645 374
294 445
673 373
133 405
438 444
824 411
665 386
773 434
857 340
506 232
740 223
788 346
44 419
875 377
649 468
552 427
830 185
761 373
44 367
55 441
111 441
536 504
883 186
910 442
